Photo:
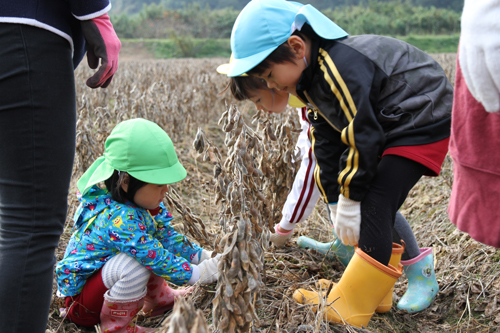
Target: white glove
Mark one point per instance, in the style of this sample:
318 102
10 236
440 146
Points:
205 254
332 208
207 271
279 238
479 51
348 220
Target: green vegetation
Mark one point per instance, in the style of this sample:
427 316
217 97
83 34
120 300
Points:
134 6
434 44
188 47
393 18
199 31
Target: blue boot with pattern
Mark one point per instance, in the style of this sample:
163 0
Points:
422 283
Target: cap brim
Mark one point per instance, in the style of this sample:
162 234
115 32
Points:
224 69
170 175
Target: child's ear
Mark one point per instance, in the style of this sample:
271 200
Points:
124 184
298 46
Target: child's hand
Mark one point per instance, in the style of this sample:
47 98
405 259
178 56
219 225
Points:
208 270
348 220
206 255
281 236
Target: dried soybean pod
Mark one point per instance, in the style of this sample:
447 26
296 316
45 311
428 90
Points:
199 325
241 229
236 307
254 272
222 117
257 172
229 140
270 132
228 126
241 166
240 320
229 304
224 322
211 156
245 260
254 257
240 286
229 289
242 304
231 245
252 284
235 264
232 324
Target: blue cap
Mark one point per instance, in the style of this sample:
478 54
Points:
263 25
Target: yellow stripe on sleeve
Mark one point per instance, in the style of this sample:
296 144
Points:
316 168
340 81
352 163
335 91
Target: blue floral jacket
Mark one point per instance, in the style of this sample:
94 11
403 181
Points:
104 228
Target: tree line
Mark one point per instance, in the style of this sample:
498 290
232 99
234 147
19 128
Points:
134 6
392 18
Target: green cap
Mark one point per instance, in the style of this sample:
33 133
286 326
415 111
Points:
142 149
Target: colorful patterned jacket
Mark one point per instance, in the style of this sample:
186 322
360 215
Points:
104 228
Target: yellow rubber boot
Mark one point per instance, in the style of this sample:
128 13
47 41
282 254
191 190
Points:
397 252
355 297
386 304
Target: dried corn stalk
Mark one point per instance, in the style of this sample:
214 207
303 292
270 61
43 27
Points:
251 187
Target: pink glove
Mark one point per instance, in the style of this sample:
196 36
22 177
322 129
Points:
102 43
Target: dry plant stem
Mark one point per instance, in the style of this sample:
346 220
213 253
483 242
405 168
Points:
191 221
250 199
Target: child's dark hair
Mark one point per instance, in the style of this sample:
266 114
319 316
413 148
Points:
283 53
113 184
244 87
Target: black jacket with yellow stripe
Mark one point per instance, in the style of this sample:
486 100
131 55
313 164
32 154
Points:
366 94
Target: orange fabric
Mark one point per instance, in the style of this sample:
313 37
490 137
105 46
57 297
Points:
389 270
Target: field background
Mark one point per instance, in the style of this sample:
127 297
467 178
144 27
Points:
183 96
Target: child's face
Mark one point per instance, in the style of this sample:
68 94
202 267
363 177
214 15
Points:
150 195
271 101
285 76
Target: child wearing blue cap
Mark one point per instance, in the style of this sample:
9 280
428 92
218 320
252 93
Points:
304 195
124 248
379 111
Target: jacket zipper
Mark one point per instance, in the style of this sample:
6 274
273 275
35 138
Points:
316 111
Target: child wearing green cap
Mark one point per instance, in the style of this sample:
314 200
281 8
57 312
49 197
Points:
123 247
304 195
380 113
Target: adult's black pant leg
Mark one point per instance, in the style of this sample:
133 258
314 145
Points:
37 146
